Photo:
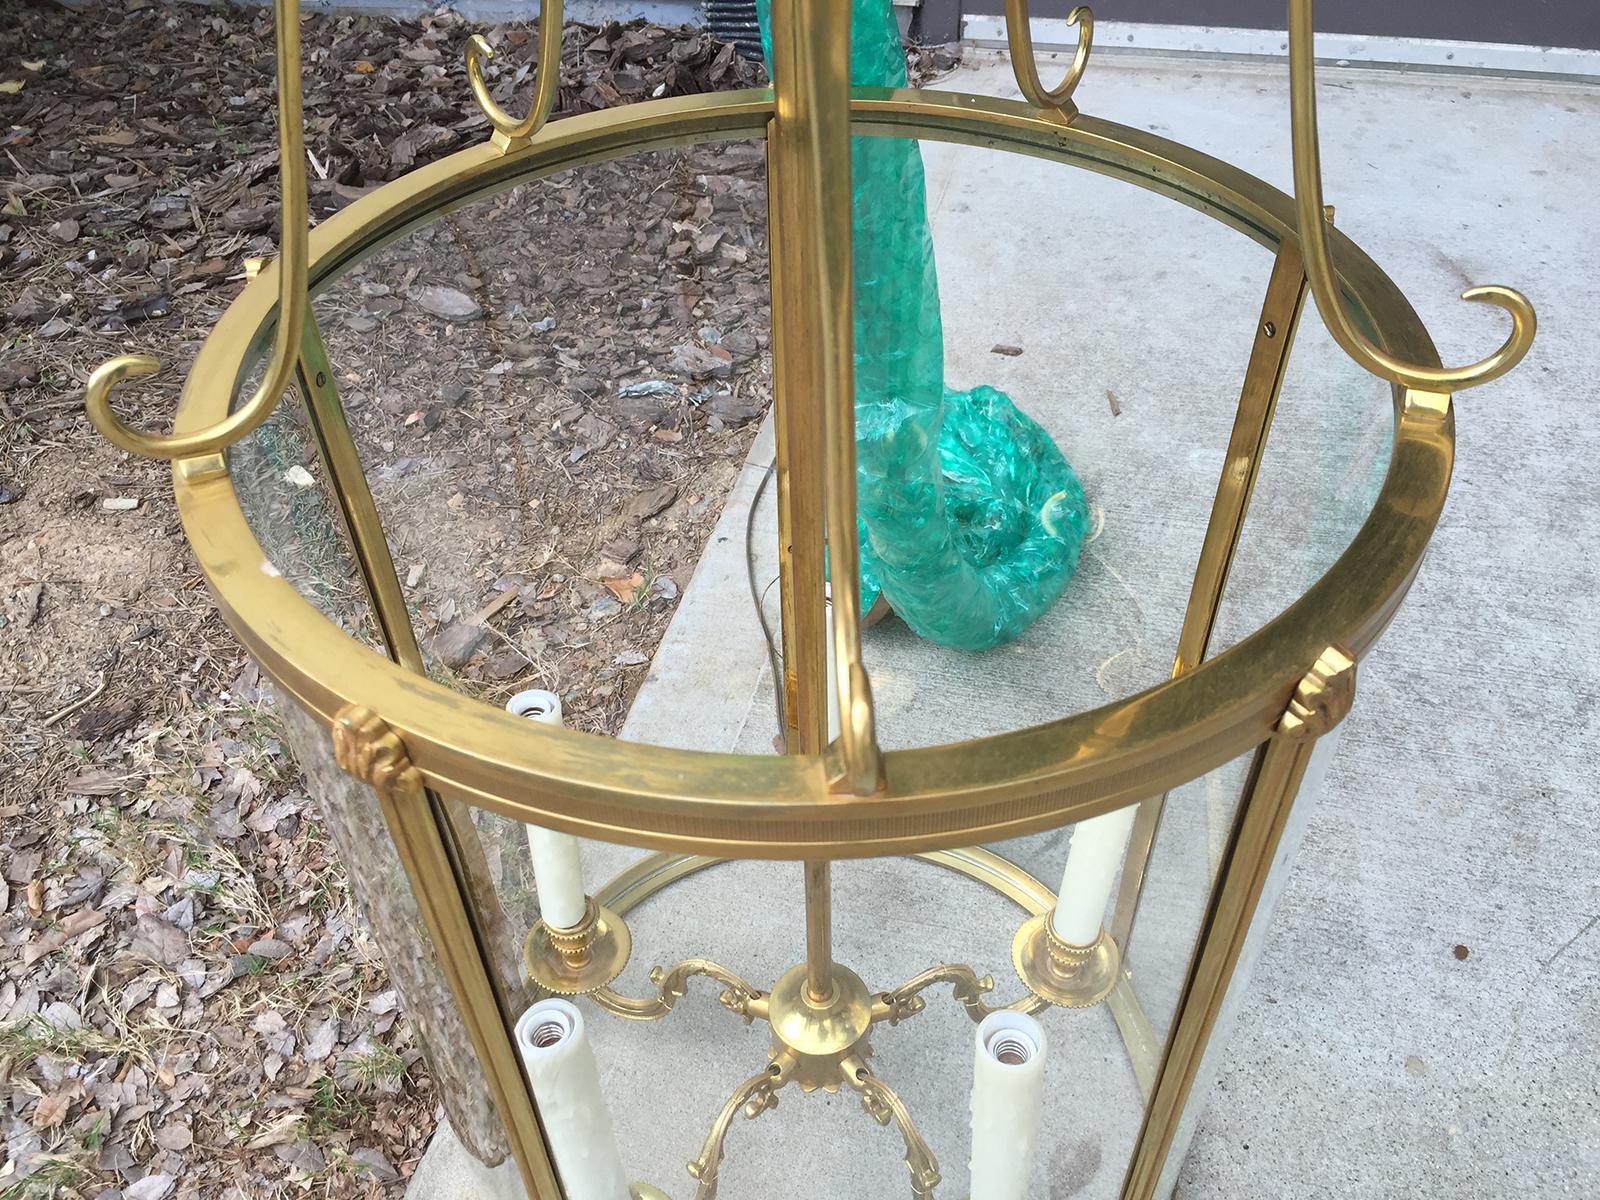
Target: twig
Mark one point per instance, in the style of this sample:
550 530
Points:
66 712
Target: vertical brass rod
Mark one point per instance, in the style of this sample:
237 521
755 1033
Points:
419 828
458 837
1258 402
797 420
819 931
810 147
1321 700
337 450
808 181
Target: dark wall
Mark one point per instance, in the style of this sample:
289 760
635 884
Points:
1529 22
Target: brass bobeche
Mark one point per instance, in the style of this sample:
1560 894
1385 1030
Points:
580 960
1060 973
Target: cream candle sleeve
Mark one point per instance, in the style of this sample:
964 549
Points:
555 1049
1007 1099
557 869
1093 860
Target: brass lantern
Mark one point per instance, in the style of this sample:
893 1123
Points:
939 982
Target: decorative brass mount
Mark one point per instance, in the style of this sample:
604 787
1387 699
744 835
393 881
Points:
1065 975
817 1044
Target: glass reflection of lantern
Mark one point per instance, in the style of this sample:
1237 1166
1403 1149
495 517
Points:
1096 1035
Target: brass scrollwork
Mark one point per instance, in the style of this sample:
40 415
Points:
1020 38
883 1104
672 985
292 294
967 988
754 1096
1319 264
512 132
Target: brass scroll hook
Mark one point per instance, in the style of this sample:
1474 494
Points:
1319 264
509 132
292 299
1020 38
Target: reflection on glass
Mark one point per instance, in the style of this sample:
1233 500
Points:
284 494
553 391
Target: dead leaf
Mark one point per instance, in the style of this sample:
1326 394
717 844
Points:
97 783
151 1187
52 1110
174 1137
65 930
160 940
625 587
274 1031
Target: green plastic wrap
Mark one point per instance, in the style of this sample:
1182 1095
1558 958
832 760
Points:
971 519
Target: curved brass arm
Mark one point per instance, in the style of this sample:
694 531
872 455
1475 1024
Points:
1319 264
672 985
966 986
509 129
292 299
1020 38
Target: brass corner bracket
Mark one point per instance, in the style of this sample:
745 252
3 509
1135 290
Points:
1322 698
366 747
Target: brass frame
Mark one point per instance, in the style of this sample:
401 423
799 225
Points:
938 797
785 808
428 755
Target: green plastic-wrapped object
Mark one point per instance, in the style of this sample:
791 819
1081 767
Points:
971 519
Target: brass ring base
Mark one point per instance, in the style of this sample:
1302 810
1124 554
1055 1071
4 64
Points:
573 962
1064 975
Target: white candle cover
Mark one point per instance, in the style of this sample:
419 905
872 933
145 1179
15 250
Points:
1007 1099
566 1083
1098 845
557 870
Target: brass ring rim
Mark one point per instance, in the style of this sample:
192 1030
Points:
779 807
656 872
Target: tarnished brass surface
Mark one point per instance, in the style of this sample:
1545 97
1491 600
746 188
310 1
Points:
781 807
572 962
1062 974
818 1033
672 985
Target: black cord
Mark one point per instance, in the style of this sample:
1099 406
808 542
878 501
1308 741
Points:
774 655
